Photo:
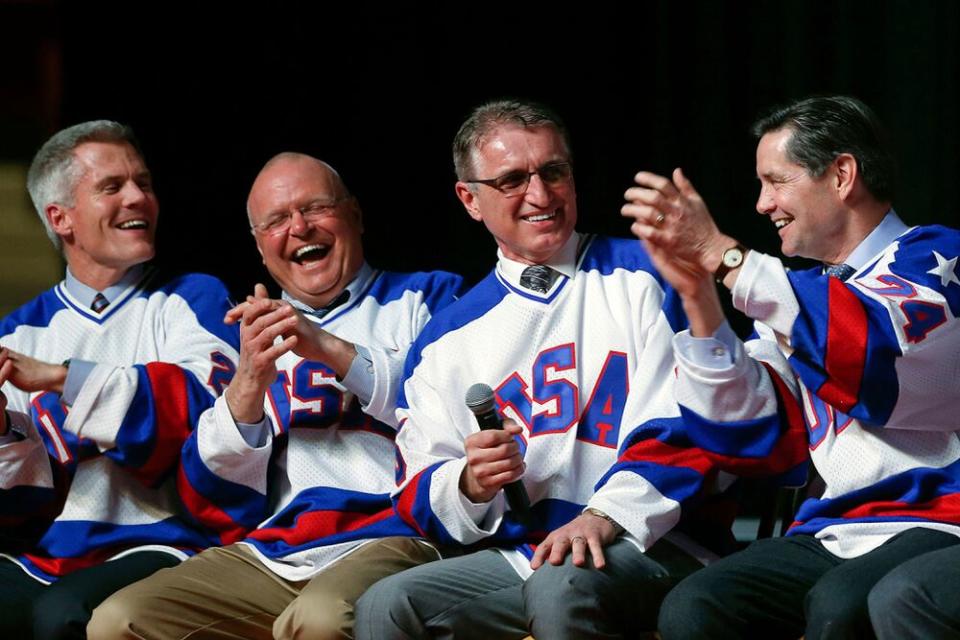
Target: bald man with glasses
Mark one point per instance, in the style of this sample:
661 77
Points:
295 463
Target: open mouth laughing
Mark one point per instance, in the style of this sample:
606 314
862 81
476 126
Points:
310 253
138 224
540 217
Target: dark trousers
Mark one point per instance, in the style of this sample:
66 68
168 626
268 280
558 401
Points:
480 596
787 588
31 609
920 598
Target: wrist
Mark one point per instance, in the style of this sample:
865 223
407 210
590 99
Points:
593 511
703 310
337 353
731 259
711 259
58 377
244 406
472 490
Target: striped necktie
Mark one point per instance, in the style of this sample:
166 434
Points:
99 303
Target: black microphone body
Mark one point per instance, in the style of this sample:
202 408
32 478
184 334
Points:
480 401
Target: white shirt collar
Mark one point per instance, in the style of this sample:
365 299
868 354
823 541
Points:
355 287
564 261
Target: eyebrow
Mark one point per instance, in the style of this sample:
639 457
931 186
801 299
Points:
99 184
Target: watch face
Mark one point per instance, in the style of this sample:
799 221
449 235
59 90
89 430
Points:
732 257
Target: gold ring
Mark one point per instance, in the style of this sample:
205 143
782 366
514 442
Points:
659 220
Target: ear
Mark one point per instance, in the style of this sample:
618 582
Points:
468 197
59 221
847 171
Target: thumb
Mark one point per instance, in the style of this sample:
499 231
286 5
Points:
512 427
260 291
684 185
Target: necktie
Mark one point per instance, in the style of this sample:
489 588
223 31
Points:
99 303
537 277
339 300
842 271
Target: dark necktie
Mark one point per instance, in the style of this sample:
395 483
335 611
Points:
537 277
99 303
339 300
842 271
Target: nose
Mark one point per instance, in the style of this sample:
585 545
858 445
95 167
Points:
133 195
298 224
765 202
538 194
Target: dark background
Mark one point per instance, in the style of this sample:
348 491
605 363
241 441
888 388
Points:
213 91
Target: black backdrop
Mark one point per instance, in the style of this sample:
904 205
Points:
379 92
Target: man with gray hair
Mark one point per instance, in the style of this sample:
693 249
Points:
590 430
103 377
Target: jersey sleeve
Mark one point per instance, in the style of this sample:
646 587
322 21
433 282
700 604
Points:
747 415
33 484
881 347
140 415
223 475
435 291
430 459
658 469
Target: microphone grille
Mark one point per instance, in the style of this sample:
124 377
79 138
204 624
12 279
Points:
479 398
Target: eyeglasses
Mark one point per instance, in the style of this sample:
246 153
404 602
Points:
515 183
279 223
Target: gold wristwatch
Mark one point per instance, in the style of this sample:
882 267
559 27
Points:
618 529
730 260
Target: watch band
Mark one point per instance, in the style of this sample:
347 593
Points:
618 528
730 259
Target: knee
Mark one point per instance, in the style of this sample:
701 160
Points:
832 611
686 612
551 588
60 615
111 620
379 609
897 596
555 598
319 617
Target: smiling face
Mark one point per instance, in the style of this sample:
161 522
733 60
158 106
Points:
313 259
532 226
112 223
807 211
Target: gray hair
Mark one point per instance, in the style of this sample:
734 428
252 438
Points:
490 115
54 172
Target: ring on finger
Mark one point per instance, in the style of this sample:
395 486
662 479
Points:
576 539
659 220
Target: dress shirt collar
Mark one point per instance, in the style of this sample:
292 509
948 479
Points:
85 295
355 287
889 229
563 261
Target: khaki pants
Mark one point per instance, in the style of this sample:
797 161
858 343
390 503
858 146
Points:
226 592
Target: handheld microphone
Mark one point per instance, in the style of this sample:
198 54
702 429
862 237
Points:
480 401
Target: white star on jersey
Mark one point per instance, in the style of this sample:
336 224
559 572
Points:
945 269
